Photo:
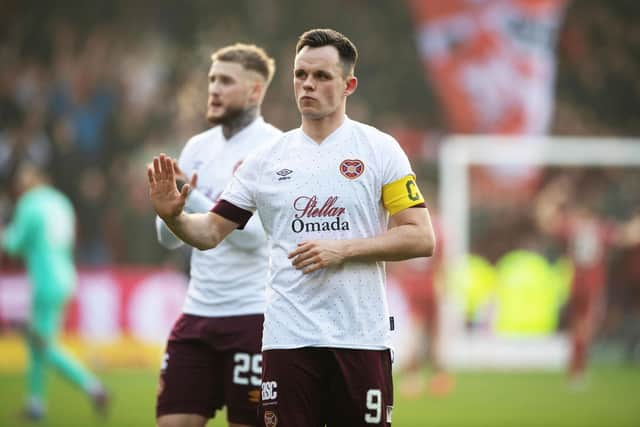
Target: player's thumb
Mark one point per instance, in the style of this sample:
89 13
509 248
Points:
185 191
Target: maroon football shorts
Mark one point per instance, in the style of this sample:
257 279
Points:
314 386
211 362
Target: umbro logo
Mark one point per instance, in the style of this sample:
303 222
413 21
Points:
284 174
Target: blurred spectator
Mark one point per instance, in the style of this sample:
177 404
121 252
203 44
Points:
567 209
91 202
598 85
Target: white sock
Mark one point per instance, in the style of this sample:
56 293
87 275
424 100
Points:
35 404
94 387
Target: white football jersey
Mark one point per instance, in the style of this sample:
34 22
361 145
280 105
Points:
229 280
303 191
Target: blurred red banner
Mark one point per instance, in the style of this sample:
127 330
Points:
492 63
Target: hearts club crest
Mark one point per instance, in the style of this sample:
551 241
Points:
351 168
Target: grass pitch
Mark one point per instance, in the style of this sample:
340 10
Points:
611 398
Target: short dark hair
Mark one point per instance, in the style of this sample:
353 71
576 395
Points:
327 37
250 56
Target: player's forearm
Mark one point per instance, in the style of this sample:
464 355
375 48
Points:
396 244
197 230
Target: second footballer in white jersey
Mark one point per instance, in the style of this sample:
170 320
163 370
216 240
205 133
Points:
213 355
337 198
215 159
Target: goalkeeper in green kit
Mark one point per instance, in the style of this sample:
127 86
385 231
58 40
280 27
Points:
42 232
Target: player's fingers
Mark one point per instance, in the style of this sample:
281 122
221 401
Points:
310 269
297 251
299 261
150 175
156 168
194 180
302 248
185 191
165 166
302 258
314 266
161 167
305 260
169 168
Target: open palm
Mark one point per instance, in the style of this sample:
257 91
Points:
167 201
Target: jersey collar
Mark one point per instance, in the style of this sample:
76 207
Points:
332 136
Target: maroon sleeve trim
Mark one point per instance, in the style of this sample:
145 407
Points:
419 205
232 213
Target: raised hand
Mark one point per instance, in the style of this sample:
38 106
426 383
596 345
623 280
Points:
167 201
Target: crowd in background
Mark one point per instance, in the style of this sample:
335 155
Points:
93 90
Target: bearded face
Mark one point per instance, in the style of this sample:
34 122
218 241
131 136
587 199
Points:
231 92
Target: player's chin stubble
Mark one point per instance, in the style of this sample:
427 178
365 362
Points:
234 119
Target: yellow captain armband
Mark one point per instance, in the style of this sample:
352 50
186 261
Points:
401 194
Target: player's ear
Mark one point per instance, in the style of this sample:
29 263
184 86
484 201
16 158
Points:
257 92
352 84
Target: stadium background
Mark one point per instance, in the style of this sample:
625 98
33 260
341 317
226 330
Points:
93 89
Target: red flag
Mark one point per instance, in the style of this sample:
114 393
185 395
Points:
492 62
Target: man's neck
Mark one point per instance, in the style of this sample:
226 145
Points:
320 129
239 122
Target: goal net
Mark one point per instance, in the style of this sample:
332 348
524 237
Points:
458 199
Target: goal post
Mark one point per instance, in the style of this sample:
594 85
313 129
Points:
457 155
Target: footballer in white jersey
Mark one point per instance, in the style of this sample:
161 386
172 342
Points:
333 190
215 159
213 355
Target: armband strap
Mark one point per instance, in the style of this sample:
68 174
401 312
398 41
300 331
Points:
401 194
232 213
